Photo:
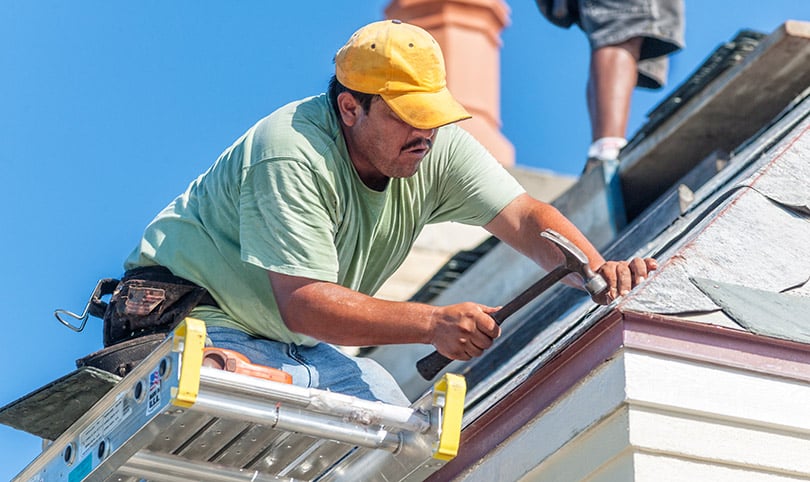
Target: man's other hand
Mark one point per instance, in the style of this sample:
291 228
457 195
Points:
623 276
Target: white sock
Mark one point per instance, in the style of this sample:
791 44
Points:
606 148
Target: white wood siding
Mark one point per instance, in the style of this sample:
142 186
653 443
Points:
648 417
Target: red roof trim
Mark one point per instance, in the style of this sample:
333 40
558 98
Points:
641 331
717 344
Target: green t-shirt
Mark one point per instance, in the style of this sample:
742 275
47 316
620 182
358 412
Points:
286 198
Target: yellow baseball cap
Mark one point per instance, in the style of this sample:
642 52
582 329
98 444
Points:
404 65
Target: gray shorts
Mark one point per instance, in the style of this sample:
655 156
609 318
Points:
610 22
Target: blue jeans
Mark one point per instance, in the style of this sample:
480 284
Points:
321 366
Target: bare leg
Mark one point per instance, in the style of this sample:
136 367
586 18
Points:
613 77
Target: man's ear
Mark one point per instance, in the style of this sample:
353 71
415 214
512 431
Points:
349 108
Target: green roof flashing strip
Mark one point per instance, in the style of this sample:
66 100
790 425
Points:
189 337
448 394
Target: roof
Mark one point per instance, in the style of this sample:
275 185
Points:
748 230
732 263
747 226
729 226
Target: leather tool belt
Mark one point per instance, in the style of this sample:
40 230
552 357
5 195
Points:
147 300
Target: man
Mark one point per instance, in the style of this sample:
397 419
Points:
630 41
302 219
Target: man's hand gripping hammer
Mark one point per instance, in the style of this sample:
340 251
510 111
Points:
575 262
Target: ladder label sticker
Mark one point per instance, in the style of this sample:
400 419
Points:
102 427
153 397
81 471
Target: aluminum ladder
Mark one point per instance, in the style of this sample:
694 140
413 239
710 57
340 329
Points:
173 419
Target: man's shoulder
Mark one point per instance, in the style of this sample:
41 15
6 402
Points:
302 129
303 114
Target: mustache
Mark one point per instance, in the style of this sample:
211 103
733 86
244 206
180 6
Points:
418 143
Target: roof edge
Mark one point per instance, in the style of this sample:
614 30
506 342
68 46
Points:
631 330
716 344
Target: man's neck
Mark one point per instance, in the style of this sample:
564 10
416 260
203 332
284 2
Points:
365 170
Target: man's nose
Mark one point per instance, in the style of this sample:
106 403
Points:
425 133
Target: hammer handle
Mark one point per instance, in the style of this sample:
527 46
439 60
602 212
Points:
430 365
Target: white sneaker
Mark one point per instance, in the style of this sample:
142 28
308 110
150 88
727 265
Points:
603 150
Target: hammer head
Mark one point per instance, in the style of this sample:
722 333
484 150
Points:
577 262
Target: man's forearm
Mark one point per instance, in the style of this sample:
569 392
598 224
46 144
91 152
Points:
335 314
522 221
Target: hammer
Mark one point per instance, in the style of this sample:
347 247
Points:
575 262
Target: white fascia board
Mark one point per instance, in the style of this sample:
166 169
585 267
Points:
733 394
619 469
736 444
640 444
662 468
594 398
702 414
602 453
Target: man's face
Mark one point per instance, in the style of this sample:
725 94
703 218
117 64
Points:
381 145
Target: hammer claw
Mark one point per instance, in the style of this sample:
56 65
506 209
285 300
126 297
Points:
569 249
577 262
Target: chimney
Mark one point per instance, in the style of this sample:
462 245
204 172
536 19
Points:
469 34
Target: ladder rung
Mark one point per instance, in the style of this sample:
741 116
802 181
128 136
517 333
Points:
173 419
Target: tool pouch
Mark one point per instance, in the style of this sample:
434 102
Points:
149 300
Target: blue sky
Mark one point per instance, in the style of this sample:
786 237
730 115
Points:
109 109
